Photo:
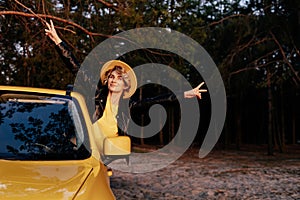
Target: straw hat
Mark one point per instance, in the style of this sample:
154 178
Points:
131 75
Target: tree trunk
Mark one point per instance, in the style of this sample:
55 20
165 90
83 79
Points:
171 126
282 117
293 127
161 134
270 112
142 131
239 123
142 122
294 105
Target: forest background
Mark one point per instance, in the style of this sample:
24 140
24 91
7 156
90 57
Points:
254 43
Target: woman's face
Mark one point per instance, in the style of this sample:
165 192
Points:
115 82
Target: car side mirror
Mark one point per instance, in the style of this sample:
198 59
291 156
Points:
117 146
111 145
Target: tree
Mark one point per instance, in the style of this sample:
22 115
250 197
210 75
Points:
255 48
254 43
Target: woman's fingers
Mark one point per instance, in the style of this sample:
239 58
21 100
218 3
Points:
200 85
51 33
51 22
196 92
49 30
48 25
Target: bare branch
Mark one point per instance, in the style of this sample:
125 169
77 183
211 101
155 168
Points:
41 16
109 5
30 11
242 47
226 18
255 67
285 58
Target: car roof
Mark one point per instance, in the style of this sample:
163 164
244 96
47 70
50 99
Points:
33 89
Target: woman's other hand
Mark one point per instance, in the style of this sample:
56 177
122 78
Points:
52 34
196 92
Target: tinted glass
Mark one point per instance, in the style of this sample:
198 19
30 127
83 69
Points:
41 128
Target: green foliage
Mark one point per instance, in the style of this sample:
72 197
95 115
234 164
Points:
239 37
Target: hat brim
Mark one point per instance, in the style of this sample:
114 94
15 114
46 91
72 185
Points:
133 81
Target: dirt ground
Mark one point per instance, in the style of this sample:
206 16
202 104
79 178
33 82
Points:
223 174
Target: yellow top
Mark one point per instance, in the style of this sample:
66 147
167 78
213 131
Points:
108 121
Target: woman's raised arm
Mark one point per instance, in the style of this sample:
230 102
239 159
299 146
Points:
62 48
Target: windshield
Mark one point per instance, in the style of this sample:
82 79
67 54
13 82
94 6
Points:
41 128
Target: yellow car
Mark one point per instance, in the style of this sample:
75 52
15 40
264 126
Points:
50 149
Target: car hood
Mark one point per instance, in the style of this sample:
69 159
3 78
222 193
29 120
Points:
42 179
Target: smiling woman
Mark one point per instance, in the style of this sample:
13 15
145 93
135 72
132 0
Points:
117 82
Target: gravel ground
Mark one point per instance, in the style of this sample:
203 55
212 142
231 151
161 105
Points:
220 175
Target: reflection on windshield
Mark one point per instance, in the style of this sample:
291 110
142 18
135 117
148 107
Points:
40 128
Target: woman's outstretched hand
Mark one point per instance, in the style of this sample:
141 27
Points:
52 34
196 92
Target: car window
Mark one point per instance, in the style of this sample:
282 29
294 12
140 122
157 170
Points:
40 127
